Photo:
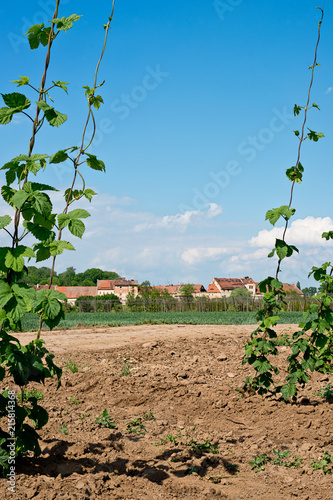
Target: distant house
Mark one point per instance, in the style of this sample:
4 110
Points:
286 287
224 286
170 289
121 288
72 292
175 290
213 292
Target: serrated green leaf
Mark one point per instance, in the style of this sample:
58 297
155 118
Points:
32 187
89 193
5 115
52 308
76 227
328 235
297 110
7 194
37 414
37 35
4 221
96 101
57 247
38 157
284 211
63 220
65 23
295 175
5 293
16 100
62 85
24 80
42 204
54 117
19 198
262 366
42 252
58 157
94 163
41 233
48 222
288 391
276 284
15 257
19 103
284 250
78 213
315 136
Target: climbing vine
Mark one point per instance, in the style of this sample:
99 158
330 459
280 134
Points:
30 218
312 344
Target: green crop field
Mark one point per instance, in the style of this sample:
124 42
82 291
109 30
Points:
30 321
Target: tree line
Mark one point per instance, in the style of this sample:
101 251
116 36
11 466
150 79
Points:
41 276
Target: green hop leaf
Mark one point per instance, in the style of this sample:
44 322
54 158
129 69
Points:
37 35
65 23
54 117
94 163
24 80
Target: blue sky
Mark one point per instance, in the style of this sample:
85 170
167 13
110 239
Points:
195 131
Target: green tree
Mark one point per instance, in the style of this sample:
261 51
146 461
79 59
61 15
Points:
310 291
240 293
187 290
67 277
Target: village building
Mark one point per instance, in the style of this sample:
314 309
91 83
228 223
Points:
72 292
222 287
121 288
175 290
286 287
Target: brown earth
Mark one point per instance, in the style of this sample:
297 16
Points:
186 377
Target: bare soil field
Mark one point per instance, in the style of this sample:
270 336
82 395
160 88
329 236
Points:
197 433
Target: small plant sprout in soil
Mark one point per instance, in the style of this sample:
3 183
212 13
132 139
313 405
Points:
104 420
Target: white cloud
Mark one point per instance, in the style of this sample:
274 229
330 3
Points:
214 210
306 231
180 221
329 90
194 256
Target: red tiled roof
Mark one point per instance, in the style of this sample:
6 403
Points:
171 289
71 292
110 284
199 288
286 287
292 288
212 288
232 283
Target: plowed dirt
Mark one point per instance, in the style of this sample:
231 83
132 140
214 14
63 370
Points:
186 378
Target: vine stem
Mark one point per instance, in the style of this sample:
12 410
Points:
302 138
77 159
17 215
